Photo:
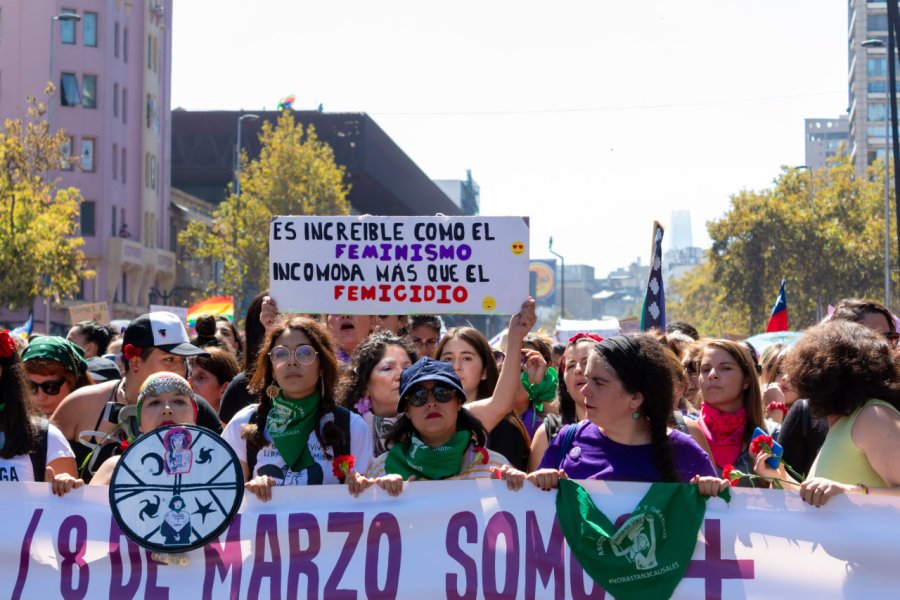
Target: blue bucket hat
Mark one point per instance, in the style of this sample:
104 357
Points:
428 369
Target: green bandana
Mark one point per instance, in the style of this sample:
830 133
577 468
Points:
57 349
545 391
415 457
648 555
289 423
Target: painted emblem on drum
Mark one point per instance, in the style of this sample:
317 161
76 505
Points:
176 488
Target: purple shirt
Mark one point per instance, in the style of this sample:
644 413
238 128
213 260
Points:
592 455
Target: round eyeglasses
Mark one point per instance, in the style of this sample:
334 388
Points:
303 354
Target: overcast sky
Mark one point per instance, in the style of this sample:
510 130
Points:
592 117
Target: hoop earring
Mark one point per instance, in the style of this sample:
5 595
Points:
273 391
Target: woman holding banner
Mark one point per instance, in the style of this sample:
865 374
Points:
296 434
625 437
434 438
850 376
29 444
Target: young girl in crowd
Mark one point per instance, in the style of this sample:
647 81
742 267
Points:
371 387
211 374
296 431
732 404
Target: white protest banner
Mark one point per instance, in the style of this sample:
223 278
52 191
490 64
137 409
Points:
97 311
179 311
399 265
453 539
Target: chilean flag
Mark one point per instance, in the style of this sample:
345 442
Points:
779 319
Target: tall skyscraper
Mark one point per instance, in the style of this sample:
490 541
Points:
111 65
680 232
868 93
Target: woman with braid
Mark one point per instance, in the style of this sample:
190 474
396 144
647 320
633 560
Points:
625 437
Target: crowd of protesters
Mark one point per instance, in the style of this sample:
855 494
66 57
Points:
403 399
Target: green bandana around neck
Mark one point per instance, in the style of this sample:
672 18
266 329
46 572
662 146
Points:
648 555
415 457
289 423
545 391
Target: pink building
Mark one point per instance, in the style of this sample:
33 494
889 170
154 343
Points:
112 71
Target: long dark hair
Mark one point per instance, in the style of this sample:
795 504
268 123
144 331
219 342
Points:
15 420
254 332
652 375
566 401
465 421
320 340
365 357
93 331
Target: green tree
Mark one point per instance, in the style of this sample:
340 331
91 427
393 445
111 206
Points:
828 245
294 175
40 253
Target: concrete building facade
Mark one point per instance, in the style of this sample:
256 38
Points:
824 137
112 72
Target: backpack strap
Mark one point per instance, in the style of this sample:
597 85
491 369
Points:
565 443
38 452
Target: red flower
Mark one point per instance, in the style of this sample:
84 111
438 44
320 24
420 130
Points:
7 345
761 443
130 351
342 465
731 474
485 457
124 445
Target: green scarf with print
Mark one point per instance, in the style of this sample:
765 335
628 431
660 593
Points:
414 457
289 423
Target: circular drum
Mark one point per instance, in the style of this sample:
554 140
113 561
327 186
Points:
176 488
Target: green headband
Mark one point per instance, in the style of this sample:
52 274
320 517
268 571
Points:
57 349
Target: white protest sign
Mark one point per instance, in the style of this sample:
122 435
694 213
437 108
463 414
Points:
399 265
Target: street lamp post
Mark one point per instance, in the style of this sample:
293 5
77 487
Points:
876 43
562 279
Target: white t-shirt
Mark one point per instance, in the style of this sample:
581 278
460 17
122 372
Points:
269 460
18 468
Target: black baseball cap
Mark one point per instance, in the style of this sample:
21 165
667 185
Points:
428 369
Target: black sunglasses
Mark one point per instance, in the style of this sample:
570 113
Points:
441 393
51 387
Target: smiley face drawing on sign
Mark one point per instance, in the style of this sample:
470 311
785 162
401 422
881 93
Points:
518 248
489 303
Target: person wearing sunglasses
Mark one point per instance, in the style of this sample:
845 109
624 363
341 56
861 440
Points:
296 433
434 438
55 367
31 448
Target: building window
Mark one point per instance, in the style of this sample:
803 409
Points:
124 104
146 169
125 44
90 29
67 28
116 40
115 161
875 111
876 66
67 153
88 218
113 230
155 55
876 87
153 171
79 295
152 113
115 100
87 155
878 22
149 51
68 83
89 91
124 167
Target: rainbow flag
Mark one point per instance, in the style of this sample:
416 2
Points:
287 102
220 305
